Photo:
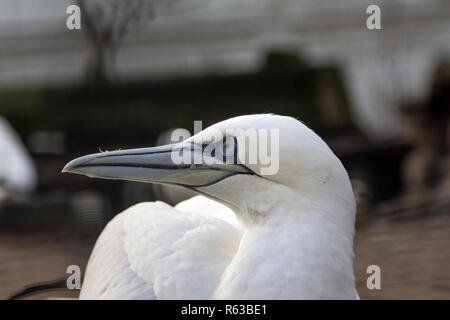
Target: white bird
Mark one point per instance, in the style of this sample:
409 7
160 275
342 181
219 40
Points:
17 170
287 235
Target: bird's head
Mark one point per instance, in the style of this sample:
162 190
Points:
250 163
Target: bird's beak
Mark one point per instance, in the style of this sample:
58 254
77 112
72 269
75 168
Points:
156 165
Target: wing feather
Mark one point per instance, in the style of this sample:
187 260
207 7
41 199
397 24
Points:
152 250
109 274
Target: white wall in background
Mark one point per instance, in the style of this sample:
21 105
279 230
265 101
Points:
230 36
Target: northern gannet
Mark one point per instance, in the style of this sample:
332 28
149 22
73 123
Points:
17 170
250 235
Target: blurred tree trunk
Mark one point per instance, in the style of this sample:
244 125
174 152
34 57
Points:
106 23
101 64
97 66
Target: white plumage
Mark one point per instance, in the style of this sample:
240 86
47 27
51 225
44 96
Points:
288 235
154 250
17 170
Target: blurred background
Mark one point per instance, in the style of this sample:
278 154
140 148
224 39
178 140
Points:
140 68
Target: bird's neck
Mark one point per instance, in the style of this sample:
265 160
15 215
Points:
296 252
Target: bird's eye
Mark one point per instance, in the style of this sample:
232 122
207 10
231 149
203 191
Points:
223 151
229 148
228 145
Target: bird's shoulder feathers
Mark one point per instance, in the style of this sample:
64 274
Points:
155 251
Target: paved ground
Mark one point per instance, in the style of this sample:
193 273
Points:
414 256
35 258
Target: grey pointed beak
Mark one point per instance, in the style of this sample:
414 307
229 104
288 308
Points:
156 165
